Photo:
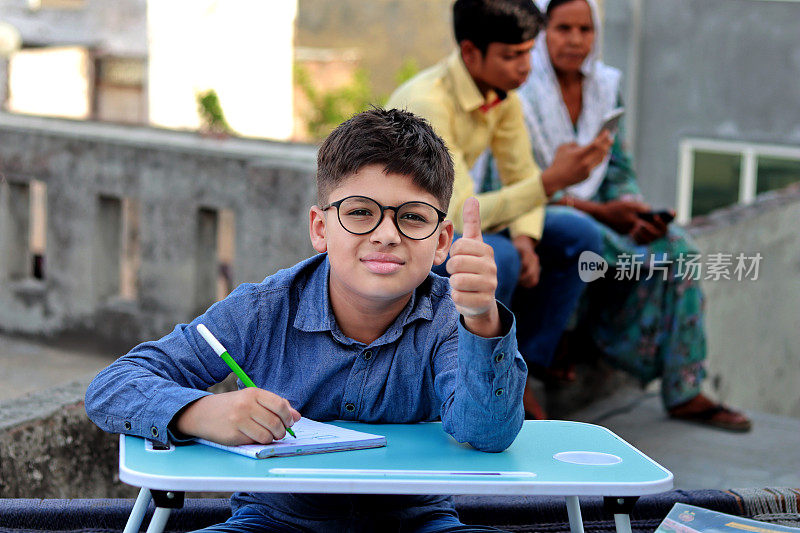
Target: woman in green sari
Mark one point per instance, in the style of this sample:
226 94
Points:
650 324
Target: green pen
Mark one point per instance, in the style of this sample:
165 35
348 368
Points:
223 353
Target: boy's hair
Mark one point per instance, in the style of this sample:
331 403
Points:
496 21
400 141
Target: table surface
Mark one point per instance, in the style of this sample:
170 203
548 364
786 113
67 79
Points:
548 457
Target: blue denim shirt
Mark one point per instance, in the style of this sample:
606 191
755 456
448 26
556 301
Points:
283 334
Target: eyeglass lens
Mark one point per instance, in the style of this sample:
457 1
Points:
416 220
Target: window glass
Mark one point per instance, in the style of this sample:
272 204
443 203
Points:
776 173
716 181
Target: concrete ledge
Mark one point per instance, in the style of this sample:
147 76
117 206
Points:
735 214
294 154
50 448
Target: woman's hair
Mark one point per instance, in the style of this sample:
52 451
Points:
401 142
556 3
496 21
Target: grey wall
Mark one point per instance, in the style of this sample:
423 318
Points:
172 176
721 69
753 326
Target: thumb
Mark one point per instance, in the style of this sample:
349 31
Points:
295 414
471 216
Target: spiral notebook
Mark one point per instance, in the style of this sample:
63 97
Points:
312 437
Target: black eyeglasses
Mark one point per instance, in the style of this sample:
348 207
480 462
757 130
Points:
360 215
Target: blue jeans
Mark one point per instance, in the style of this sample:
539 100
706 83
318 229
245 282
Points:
543 312
248 520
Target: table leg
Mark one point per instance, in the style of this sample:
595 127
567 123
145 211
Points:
621 507
574 513
139 509
623 522
159 520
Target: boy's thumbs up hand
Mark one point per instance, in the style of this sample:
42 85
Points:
471 218
473 276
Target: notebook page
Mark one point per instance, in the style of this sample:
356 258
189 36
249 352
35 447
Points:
312 437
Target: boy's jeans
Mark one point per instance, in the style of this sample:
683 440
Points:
247 519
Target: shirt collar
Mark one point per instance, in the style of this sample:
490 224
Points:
467 93
314 311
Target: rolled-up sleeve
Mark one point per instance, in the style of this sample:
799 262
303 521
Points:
481 386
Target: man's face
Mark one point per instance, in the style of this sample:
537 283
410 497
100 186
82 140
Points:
383 265
503 66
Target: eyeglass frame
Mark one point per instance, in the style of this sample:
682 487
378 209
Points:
441 214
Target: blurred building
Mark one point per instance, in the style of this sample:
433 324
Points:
240 48
82 59
144 62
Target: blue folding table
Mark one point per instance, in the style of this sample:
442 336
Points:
548 457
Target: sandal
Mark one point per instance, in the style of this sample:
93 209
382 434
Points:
714 415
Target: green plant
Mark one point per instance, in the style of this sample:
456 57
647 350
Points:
212 119
331 108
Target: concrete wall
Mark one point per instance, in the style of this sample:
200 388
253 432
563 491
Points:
49 448
176 184
754 326
719 69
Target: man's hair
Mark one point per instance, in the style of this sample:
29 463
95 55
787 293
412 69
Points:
496 21
401 142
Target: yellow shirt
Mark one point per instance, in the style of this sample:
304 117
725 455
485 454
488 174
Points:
448 98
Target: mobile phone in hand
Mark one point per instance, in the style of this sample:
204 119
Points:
611 120
665 215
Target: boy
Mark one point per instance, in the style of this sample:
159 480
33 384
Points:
362 331
470 101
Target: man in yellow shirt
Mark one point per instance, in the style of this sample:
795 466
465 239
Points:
469 100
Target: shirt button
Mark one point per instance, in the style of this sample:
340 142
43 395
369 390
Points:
127 426
367 355
349 407
498 392
499 357
154 431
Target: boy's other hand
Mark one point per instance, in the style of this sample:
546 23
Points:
572 163
473 276
246 416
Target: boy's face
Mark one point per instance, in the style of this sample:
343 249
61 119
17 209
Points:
503 66
383 265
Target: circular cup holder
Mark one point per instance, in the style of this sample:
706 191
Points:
587 458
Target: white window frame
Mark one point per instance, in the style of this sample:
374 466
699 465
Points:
749 152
